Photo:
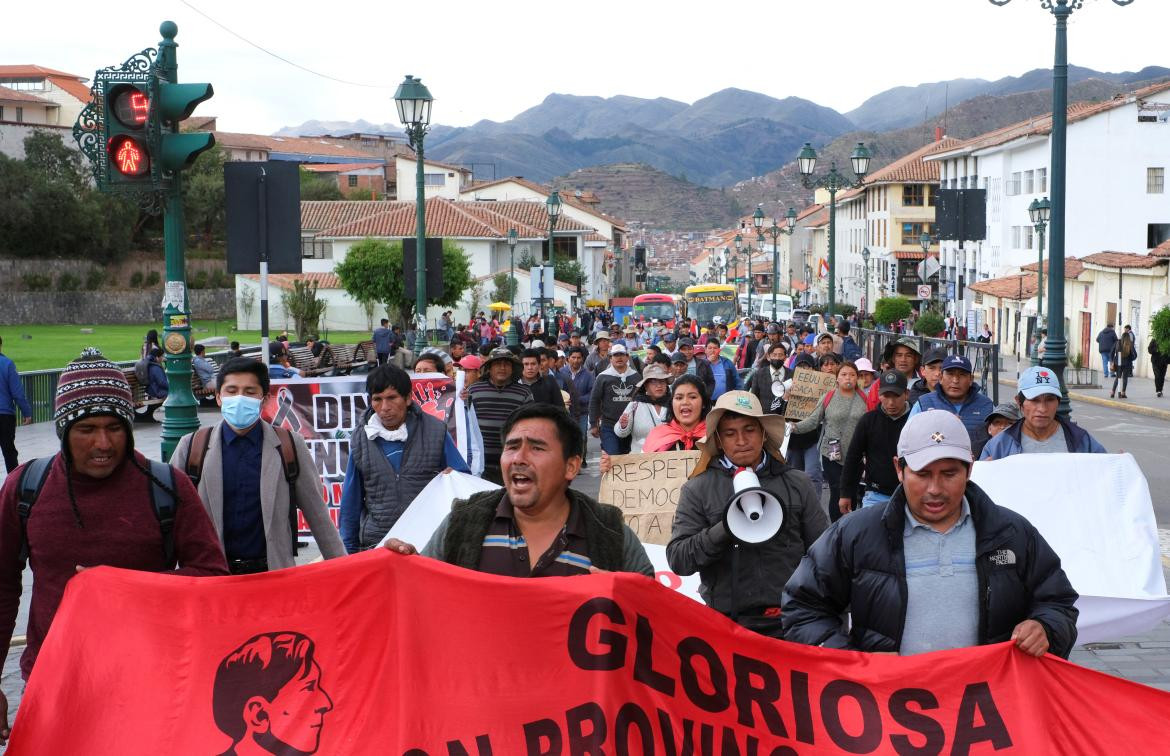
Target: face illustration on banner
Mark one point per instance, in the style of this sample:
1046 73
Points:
268 696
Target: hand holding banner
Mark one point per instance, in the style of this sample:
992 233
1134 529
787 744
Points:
808 387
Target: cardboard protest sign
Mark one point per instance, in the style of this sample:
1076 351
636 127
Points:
646 488
808 387
324 411
357 656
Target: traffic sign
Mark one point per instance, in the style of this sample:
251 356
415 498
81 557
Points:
924 291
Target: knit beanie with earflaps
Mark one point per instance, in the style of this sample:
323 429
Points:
90 386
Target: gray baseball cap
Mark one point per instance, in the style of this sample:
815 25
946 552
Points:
933 435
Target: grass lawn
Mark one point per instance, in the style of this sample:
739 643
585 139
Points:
52 346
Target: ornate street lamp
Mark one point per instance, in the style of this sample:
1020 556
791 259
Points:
758 222
414 100
553 207
1039 212
1055 344
775 230
735 262
833 182
513 237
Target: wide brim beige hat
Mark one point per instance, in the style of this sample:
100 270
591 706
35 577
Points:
741 403
654 372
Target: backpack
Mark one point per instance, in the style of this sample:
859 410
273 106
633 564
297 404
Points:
197 452
33 478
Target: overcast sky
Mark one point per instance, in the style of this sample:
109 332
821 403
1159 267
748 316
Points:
495 59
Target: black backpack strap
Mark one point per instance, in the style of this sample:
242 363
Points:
32 480
165 507
292 468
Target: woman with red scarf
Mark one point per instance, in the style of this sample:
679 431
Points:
686 417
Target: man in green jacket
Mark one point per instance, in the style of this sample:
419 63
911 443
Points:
536 526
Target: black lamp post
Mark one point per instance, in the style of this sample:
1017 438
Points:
414 110
774 231
512 239
1055 344
735 262
1038 212
553 206
833 182
758 222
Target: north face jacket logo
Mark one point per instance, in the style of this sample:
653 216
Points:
1003 557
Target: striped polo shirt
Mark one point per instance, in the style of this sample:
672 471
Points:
493 405
505 552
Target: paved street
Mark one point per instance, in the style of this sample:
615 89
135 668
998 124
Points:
1144 659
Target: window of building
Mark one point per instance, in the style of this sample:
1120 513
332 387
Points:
352 181
1042 180
20 119
1015 237
1027 234
1156 233
932 195
316 249
912 195
1155 177
911 232
1013 187
1 112
435 179
1029 182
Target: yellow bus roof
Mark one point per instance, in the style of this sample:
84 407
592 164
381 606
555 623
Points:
708 288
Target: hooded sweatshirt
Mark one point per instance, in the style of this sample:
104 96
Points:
611 393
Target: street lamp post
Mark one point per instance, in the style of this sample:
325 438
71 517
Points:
775 230
865 296
553 207
1055 344
1038 212
924 242
413 100
735 262
833 182
512 239
758 222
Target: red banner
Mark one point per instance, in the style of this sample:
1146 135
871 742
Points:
384 654
325 411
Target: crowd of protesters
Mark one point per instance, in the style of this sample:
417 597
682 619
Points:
894 442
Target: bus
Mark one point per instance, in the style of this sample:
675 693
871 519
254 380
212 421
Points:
664 307
705 301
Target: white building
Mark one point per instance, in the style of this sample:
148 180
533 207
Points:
439 179
1118 153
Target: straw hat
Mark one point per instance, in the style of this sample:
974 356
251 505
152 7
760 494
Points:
740 403
654 372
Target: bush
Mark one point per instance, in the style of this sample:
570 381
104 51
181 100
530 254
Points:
94 279
68 282
152 279
136 279
197 281
1160 328
889 309
221 279
930 324
37 282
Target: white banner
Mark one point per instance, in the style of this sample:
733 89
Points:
1095 512
428 509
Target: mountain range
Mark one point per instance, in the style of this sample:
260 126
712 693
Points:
736 145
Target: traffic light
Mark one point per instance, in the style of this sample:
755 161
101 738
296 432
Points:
176 102
127 137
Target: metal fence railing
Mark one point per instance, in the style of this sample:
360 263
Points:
986 360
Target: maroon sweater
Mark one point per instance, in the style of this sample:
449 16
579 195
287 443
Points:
120 530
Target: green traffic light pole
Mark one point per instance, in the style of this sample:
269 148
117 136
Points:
833 182
1055 344
512 338
180 410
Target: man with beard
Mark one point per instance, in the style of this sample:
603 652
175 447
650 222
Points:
536 526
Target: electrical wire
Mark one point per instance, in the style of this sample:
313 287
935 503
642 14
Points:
281 58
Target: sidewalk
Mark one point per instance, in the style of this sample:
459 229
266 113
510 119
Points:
1140 394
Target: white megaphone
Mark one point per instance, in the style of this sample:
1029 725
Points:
753 515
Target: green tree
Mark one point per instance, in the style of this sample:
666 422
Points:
316 187
889 309
203 198
302 304
1160 327
373 269
505 287
929 324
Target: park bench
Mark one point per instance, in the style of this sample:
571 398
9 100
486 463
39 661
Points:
144 406
342 357
303 360
202 395
366 353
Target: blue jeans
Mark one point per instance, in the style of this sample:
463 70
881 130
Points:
1105 362
873 499
809 460
583 424
611 444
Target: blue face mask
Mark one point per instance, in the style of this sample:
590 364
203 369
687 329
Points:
240 411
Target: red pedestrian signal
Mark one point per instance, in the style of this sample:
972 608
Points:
128 156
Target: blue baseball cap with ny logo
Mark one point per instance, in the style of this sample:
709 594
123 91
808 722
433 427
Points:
1037 381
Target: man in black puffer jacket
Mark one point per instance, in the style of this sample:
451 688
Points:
939 566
